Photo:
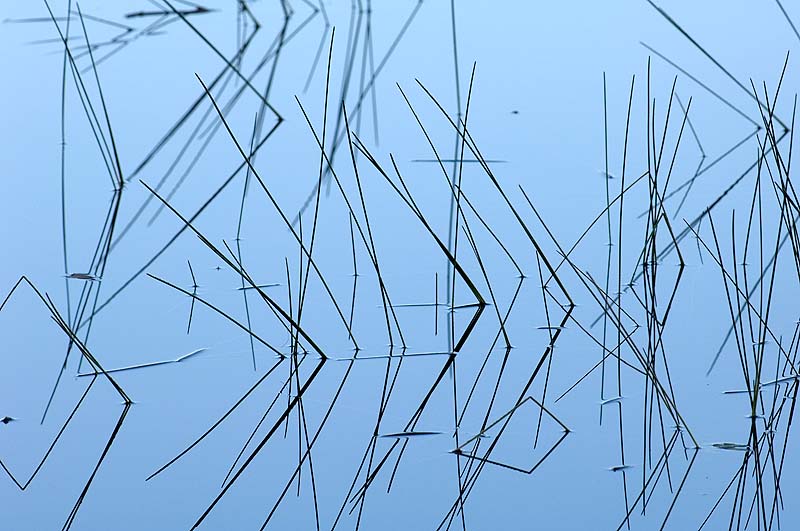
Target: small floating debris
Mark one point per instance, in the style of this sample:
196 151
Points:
619 468
83 276
257 286
548 327
731 446
6 420
606 174
405 434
